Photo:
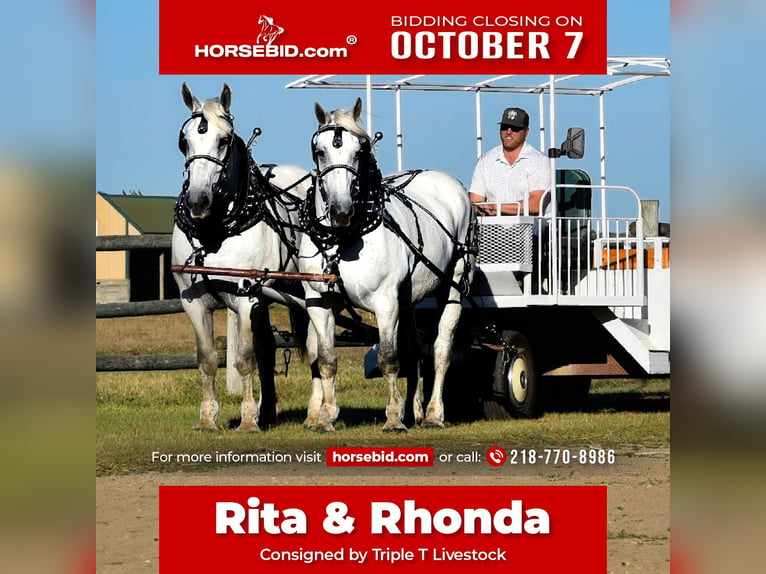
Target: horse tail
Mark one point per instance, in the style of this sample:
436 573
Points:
299 324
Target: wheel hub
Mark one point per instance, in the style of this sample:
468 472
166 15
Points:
517 380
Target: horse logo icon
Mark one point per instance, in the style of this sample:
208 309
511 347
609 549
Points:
269 30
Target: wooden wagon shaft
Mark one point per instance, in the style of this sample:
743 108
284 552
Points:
255 273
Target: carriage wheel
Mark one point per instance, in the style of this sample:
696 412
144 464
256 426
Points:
514 390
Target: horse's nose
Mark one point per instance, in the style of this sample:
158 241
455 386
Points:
198 205
341 218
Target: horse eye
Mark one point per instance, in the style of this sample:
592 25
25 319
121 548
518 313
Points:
320 153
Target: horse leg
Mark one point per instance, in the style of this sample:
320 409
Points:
388 363
409 345
443 352
265 355
323 370
245 365
315 400
201 319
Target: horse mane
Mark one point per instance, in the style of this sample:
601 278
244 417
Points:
345 118
214 113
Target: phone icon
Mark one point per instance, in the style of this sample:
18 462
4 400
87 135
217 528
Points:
496 456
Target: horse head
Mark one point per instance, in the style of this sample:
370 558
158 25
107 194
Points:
205 140
341 149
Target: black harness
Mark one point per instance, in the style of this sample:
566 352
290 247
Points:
371 193
367 194
243 195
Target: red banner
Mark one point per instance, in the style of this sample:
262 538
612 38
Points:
429 37
330 529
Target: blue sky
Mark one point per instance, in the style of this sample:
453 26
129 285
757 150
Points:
47 48
139 112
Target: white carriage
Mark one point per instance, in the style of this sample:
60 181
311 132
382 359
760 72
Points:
575 295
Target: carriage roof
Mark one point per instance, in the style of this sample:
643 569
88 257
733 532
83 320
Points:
620 71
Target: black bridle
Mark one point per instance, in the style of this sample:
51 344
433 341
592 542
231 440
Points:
243 196
370 193
234 206
183 146
367 193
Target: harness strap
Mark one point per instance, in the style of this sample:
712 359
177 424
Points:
332 269
254 199
269 194
198 256
391 224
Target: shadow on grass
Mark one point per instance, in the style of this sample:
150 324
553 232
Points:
635 402
349 416
614 402
462 410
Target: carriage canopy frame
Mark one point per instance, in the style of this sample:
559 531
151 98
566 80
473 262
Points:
620 71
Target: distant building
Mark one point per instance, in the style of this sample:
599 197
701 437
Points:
140 275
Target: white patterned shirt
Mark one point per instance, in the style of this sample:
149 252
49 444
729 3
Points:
498 181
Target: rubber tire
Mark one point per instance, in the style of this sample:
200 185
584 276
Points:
514 391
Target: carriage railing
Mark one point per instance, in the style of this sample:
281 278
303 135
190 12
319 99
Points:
574 260
595 259
593 254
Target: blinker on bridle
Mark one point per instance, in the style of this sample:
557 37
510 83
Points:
201 129
362 176
365 190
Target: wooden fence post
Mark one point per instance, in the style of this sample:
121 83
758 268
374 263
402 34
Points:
650 213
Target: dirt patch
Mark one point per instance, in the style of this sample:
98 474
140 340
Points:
638 484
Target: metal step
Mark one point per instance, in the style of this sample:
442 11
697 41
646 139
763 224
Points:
636 341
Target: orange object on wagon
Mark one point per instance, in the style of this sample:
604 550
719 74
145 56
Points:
616 258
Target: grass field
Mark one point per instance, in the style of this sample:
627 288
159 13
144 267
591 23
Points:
141 412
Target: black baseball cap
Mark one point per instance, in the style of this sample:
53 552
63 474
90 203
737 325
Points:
515 117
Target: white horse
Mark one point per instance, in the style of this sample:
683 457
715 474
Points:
233 214
393 241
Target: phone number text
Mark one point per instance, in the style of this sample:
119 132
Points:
544 456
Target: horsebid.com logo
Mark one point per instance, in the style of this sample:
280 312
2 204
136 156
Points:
264 46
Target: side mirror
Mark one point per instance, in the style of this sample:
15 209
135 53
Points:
573 147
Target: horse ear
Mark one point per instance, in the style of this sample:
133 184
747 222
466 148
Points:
190 99
322 116
358 109
225 98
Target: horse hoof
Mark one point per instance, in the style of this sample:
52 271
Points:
248 428
432 425
202 426
400 428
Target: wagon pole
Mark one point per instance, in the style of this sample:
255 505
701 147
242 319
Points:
255 273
